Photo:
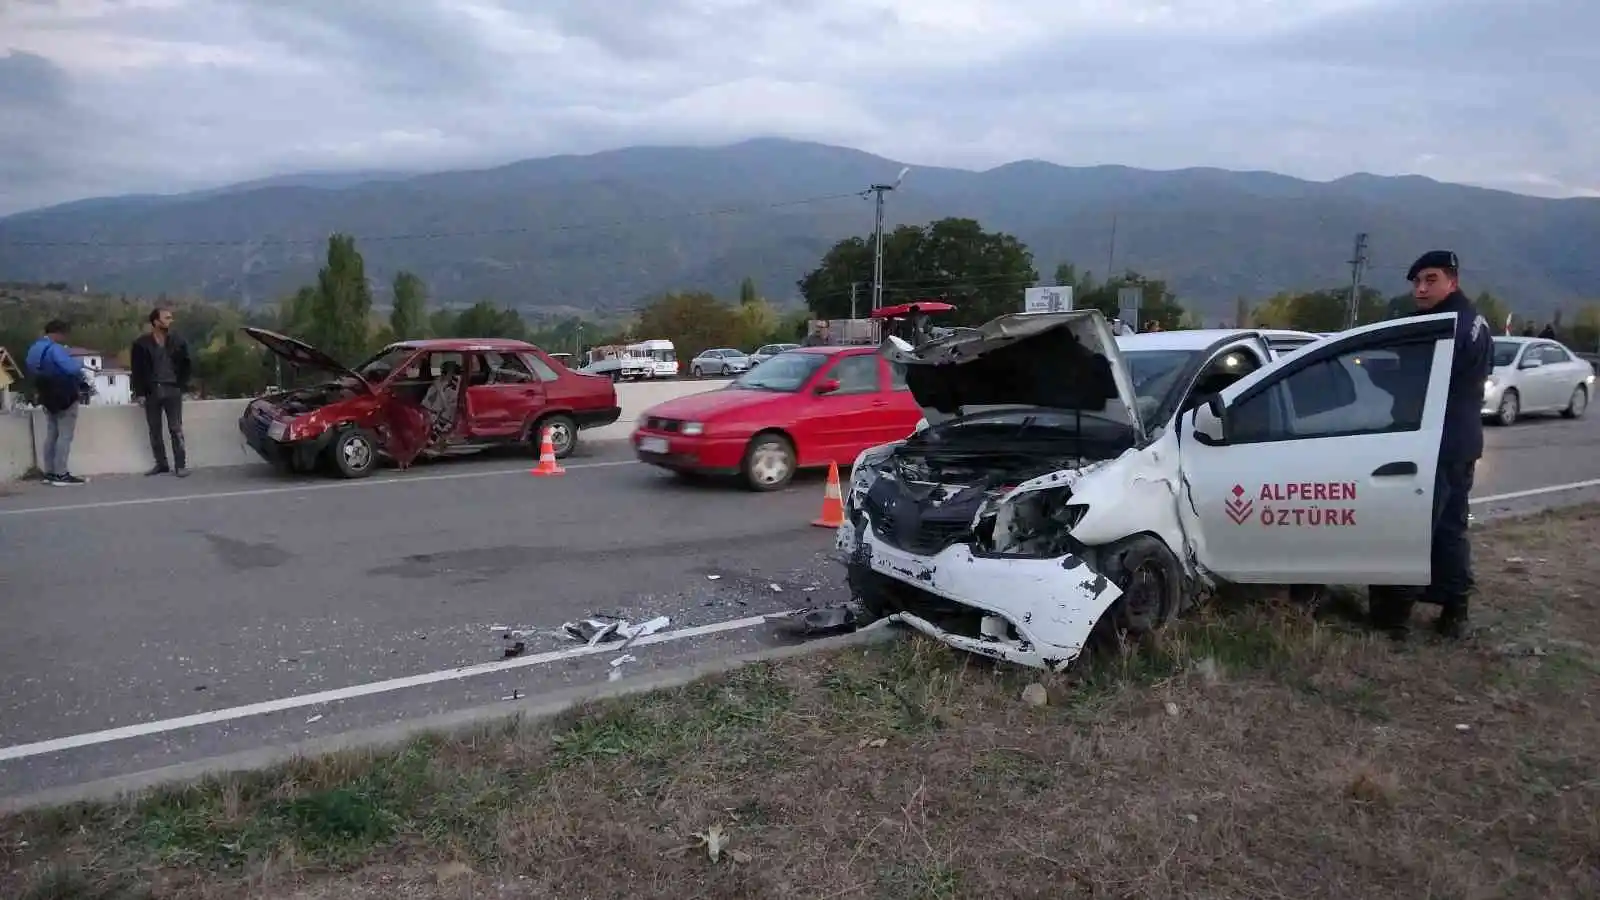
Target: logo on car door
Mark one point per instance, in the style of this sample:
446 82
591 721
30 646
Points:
1238 506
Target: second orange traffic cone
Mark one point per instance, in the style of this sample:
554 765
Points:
832 501
547 458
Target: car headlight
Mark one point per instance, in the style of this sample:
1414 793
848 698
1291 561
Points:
864 471
1488 384
693 428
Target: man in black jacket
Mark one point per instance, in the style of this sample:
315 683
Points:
1436 287
160 377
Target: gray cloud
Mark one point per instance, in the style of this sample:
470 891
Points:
177 94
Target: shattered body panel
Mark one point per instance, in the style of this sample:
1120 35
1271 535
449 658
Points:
1040 612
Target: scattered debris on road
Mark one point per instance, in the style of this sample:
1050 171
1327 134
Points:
816 621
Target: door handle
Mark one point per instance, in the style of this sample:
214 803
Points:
1395 468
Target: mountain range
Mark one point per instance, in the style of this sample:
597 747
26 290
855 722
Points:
605 231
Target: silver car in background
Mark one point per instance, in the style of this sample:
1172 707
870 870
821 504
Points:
720 361
768 351
1535 375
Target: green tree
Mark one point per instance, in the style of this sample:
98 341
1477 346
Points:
983 274
341 308
408 318
1321 311
694 321
485 320
748 293
1156 304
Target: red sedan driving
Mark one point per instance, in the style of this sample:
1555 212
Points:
803 408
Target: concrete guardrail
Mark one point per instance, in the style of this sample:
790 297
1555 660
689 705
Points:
112 440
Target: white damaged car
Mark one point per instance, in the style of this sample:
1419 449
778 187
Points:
1064 481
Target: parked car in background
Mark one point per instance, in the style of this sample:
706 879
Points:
427 398
1535 375
721 361
803 408
768 351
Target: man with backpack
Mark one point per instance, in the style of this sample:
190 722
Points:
58 383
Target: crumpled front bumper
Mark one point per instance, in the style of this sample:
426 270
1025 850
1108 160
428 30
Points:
1051 604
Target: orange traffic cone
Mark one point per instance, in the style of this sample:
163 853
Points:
832 501
547 458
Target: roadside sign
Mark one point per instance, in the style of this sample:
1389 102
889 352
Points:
1129 299
1057 298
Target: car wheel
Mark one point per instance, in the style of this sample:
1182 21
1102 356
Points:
768 462
563 435
696 372
1510 408
1578 404
353 453
1152 586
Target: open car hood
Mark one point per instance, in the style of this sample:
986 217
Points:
1065 360
299 353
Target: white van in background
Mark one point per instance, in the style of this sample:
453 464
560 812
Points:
662 356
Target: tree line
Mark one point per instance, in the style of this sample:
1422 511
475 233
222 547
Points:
981 273
984 273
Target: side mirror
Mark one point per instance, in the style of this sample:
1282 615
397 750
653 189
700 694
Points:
1210 421
1531 363
827 387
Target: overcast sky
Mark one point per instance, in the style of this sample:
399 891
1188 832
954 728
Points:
105 97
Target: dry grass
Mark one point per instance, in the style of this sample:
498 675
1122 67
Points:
1261 752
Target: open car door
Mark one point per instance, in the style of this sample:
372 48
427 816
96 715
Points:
1319 468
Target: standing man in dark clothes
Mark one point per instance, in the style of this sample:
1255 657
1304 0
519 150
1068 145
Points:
160 377
1436 286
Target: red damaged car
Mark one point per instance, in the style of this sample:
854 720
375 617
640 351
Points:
430 398
802 408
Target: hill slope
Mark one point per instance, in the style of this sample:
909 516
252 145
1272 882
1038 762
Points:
605 230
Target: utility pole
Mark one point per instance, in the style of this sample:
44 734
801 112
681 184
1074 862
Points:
1111 254
1358 266
877 256
853 286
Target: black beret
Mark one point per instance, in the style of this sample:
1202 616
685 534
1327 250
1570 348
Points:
1433 259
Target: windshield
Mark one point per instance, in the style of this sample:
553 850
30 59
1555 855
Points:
784 372
379 367
1155 372
664 355
1505 352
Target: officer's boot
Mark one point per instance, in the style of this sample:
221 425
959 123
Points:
1453 623
1389 610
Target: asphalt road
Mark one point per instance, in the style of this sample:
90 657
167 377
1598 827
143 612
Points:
136 600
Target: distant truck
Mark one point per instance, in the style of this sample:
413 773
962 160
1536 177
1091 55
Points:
618 363
663 357
842 332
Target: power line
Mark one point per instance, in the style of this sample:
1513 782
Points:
441 235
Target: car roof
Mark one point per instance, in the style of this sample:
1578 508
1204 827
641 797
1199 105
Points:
1201 338
465 344
834 350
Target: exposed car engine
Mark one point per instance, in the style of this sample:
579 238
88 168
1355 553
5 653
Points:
303 400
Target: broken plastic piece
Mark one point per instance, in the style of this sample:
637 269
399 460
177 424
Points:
819 620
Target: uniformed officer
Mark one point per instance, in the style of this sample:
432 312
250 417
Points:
1436 287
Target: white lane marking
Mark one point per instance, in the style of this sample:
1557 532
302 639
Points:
56 745
256 492
1538 491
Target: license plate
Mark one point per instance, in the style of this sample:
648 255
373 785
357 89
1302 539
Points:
653 445
277 430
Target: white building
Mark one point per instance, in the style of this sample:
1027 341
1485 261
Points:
113 386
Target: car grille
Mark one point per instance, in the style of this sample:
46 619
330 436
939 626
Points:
656 423
900 524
